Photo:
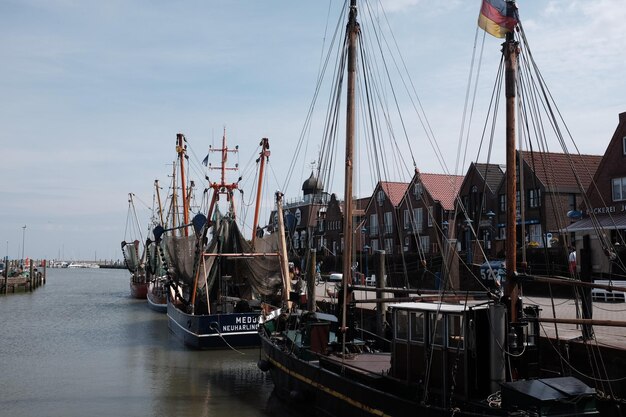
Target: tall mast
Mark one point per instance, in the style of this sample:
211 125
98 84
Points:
263 156
511 291
352 34
180 149
160 207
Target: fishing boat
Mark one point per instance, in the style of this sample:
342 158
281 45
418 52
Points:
444 354
134 252
218 281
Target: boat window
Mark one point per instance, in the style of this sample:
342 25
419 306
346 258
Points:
455 332
402 325
437 329
417 327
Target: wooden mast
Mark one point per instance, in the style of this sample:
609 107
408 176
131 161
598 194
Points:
352 34
511 291
158 194
263 156
180 149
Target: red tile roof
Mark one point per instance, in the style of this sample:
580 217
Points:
554 170
442 187
394 190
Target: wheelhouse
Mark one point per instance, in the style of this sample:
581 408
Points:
452 350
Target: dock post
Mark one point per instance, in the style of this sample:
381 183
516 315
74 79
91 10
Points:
311 303
45 267
380 285
6 275
30 275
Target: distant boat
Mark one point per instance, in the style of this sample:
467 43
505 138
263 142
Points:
218 287
82 265
157 280
134 256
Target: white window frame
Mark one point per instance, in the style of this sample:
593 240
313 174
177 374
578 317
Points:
418 220
619 185
388 222
430 216
373 224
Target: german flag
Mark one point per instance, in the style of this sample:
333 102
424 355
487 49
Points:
497 17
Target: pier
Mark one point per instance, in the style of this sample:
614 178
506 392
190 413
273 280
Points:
15 279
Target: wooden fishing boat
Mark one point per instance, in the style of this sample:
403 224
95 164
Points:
453 356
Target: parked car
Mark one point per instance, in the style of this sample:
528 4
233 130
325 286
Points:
335 277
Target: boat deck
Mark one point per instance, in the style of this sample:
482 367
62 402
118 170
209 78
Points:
612 337
366 363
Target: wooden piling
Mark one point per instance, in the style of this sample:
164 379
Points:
380 285
310 282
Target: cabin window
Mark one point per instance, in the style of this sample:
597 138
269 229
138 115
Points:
418 328
455 332
437 329
619 189
402 325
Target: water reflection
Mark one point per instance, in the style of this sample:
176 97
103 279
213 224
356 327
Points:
81 346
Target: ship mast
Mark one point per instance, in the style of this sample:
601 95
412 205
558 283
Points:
352 34
180 149
510 50
263 156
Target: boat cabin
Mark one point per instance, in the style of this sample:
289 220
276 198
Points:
452 350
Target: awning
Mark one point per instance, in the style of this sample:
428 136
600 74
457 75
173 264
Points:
617 221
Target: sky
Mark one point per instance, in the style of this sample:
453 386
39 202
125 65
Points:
94 93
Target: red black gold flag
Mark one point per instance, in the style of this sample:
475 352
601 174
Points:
497 17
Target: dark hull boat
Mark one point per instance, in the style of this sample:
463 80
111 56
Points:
214 331
217 286
310 373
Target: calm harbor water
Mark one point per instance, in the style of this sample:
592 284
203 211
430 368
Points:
79 345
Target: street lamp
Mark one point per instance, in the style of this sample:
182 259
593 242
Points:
23 239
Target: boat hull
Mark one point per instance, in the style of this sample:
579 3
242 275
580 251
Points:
139 290
318 391
214 331
157 298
